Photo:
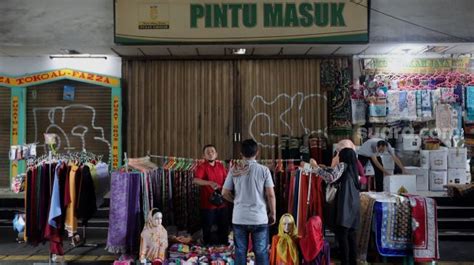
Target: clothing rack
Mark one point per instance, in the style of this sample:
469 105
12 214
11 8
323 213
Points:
195 159
77 156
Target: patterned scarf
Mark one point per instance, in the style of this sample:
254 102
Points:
286 240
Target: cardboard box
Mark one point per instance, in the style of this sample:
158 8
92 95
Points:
409 142
439 159
438 178
422 177
457 176
425 159
393 183
457 158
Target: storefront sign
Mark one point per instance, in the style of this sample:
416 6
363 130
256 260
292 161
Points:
5 80
115 132
231 21
34 79
15 131
417 65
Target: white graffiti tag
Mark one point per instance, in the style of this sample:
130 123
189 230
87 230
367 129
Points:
288 106
78 130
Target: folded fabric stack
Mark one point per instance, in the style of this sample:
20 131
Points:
181 254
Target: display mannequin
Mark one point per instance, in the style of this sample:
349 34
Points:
314 249
154 238
284 245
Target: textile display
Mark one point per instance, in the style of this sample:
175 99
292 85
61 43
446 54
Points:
57 194
425 228
118 216
358 111
393 99
393 230
470 102
411 106
336 76
426 105
366 214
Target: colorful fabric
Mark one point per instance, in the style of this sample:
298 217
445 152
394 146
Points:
117 233
312 242
425 229
411 106
154 238
284 249
366 214
426 105
393 98
393 231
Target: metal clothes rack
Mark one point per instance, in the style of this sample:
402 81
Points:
83 242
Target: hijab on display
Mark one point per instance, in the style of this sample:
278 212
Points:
313 241
286 241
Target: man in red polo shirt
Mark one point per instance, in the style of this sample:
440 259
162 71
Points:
210 175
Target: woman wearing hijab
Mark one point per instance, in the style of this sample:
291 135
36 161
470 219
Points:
347 202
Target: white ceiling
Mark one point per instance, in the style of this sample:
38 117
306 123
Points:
256 50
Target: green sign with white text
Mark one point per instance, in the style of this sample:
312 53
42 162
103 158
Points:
226 21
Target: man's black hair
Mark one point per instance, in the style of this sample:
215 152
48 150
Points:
249 148
207 146
381 143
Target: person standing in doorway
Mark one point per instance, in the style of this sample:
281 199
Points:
252 187
372 150
210 176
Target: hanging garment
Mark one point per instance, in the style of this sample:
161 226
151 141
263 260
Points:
425 229
71 220
86 200
411 105
118 216
393 99
363 234
359 108
426 105
101 182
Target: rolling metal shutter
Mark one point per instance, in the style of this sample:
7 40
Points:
84 122
5 123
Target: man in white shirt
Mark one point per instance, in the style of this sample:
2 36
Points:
371 150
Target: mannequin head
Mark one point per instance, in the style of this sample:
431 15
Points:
287 225
155 218
158 218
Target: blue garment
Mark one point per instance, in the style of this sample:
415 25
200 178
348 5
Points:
55 207
259 234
